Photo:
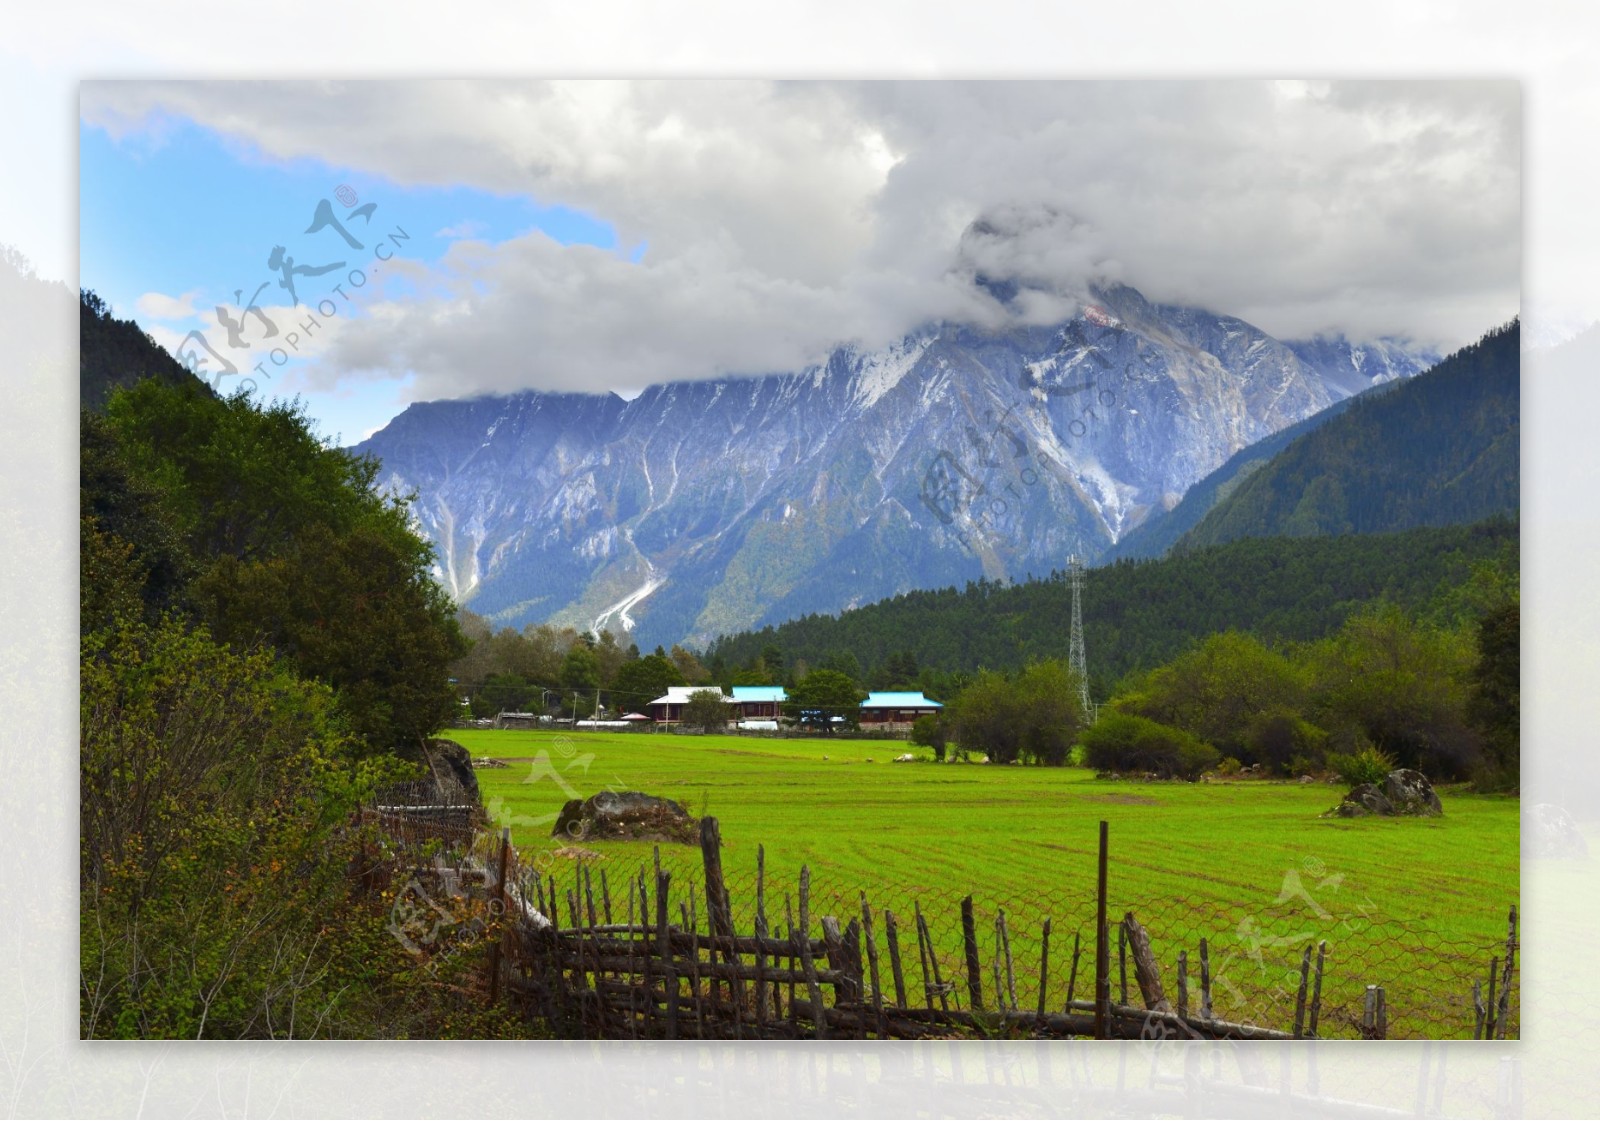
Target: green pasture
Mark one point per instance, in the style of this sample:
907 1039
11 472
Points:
1250 865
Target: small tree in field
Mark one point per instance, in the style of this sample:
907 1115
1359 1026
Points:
825 699
706 709
929 731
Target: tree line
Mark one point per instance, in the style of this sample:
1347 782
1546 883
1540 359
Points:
261 644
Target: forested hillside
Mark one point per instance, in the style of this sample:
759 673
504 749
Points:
1158 533
116 353
1440 449
261 642
1138 614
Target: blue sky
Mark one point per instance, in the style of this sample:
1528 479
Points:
176 210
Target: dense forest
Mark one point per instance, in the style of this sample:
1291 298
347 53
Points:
261 643
1139 614
1439 449
117 353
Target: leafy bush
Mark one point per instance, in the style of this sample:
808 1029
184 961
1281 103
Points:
1229 767
1195 758
1279 737
1122 743
1370 764
928 731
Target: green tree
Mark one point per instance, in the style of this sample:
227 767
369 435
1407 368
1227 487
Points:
1032 717
506 692
291 544
1125 744
689 666
824 700
642 681
706 709
1404 685
1495 704
1219 688
929 731
580 669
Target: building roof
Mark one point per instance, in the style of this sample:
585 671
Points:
679 694
759 694
898 700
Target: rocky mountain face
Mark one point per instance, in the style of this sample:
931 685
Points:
699 508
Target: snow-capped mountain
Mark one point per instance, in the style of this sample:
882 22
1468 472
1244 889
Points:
704 507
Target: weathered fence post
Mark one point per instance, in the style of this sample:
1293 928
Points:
761 936
937 984
1011 979
819 1014
1102 948
1072 977
1044 965
1300 997
1145 969
669 971
1122 964
719 911
872 961
1503 1013
969 936
838 960
1206 1011
1489 1005
891 935
1183 984
1369 1013
1316 989
503 896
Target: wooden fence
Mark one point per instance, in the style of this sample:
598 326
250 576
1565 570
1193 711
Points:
661 955
639 960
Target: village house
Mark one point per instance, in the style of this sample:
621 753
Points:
759 705
668 709
895 712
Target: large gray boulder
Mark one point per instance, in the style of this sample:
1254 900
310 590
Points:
626 815
1363 800
451 765
1410 792
1403 793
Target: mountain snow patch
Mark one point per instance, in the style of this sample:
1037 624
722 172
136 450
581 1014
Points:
881 371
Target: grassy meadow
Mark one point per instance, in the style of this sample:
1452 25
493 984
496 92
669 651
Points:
1415 904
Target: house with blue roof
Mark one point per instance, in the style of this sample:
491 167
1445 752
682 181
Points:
896 711
759 702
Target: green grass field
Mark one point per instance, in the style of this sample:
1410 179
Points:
1249 865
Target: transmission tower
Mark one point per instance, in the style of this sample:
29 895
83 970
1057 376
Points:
1077 658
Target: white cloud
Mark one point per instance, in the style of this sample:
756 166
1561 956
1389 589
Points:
785 218
156 305
468 228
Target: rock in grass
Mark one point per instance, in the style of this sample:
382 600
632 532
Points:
1410 792
451 765
626 815
1404 793
1363 800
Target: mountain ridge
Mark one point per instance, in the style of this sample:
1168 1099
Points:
956 452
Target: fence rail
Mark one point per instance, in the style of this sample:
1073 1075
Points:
671 951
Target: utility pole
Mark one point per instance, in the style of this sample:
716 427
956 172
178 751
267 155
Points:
1077 657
